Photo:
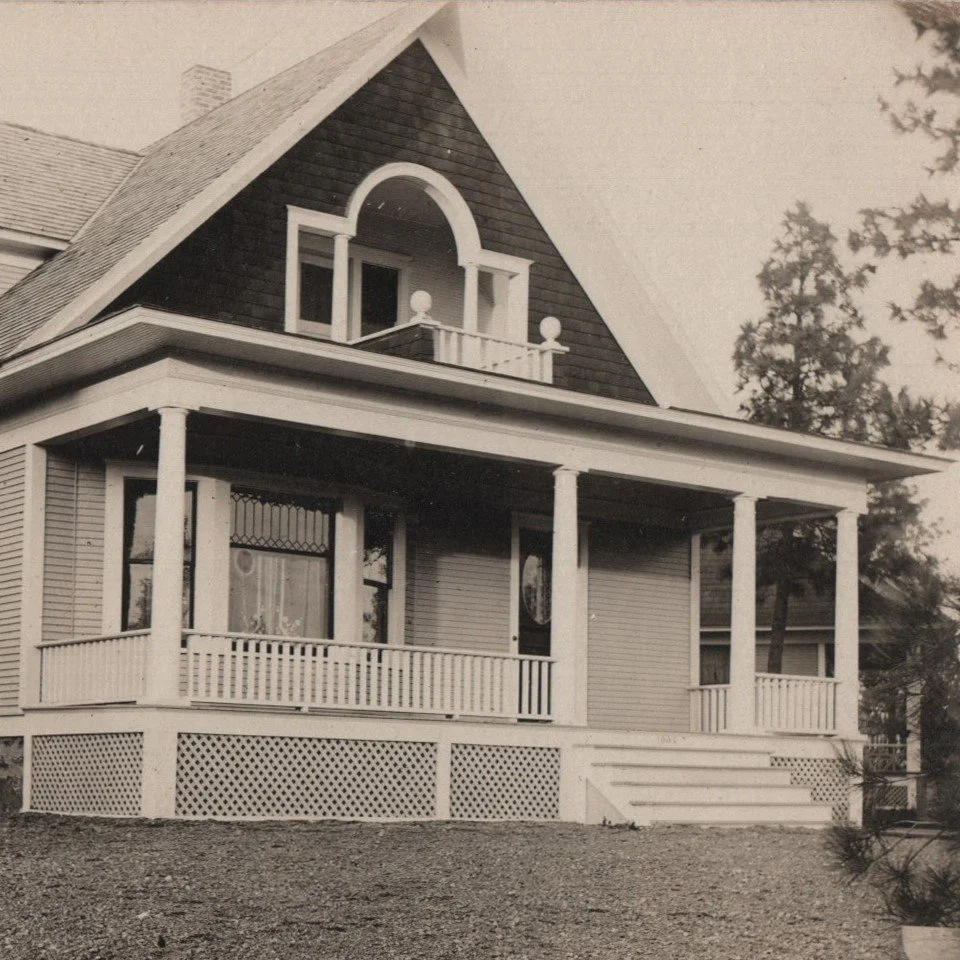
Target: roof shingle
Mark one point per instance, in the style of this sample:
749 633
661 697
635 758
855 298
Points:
51 185
175 170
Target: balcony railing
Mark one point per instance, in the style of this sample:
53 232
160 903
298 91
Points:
423 338
782 704
109 669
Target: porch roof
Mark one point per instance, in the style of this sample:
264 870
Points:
128 339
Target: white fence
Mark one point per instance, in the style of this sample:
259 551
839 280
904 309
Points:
783 704
281 671
480 351
109 669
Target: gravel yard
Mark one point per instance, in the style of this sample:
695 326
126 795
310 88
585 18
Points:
113 889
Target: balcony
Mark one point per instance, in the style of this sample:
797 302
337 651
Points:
423 338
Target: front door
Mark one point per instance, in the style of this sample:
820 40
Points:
536 549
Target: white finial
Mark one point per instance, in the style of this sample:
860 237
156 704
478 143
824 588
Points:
550 329
420 304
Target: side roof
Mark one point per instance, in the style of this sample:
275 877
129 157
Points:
51 185
187 176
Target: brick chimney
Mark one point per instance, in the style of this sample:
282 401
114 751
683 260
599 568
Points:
201 90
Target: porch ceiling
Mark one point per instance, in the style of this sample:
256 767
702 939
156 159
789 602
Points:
423 478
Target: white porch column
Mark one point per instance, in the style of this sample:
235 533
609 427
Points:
846 637
31 596
564 620
741 703
166 607
471 278
341 278
347 574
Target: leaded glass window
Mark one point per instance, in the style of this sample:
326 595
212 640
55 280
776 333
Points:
281 565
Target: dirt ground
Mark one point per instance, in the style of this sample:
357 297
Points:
114 890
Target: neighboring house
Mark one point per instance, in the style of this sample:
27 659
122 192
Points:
310 508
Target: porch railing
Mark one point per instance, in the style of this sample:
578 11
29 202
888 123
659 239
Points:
708 708
787 704
281 671
782 704
108 669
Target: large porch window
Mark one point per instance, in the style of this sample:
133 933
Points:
139 511
281 565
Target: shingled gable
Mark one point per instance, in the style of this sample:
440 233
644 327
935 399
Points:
185 178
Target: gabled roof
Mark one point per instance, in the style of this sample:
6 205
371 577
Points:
51 185
178 169
187 176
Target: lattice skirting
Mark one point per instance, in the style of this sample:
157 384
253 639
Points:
90 773
504 783
275 777
825 778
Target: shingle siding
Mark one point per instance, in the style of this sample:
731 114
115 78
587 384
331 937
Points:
232 268
639 629
73 549
12 503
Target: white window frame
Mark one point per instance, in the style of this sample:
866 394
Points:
346 256
313 328
360 255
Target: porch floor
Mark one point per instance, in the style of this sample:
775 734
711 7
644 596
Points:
426 891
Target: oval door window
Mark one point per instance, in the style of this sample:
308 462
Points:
535 587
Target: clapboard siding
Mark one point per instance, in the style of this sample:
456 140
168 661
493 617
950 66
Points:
232 268
10 274
12 502
459 585
73 549
639 629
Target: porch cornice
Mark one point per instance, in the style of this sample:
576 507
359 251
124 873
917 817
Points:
126 339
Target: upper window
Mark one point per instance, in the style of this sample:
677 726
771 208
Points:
139 512
316 294
281 565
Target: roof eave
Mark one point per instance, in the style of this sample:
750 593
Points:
136 334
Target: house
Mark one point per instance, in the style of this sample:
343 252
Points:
339 477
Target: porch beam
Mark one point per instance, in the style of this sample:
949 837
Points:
741 705
564 596
847 626
166 609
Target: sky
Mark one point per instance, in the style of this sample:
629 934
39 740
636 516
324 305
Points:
696 124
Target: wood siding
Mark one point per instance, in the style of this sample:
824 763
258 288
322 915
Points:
458 592
639 629
12 504
10 274
233 267
73 549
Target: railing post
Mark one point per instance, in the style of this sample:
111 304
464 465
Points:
741 705
847 626
564 621
166 608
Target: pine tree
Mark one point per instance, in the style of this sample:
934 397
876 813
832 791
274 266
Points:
808 365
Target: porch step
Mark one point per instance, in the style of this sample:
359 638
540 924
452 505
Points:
706 783
645 773
784 814
681 756
644 794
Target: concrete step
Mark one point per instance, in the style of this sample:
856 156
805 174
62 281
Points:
808 814
698 794
680 756
647 773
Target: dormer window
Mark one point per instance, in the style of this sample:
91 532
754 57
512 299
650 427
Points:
406 228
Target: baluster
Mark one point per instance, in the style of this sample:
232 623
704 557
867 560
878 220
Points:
396 677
